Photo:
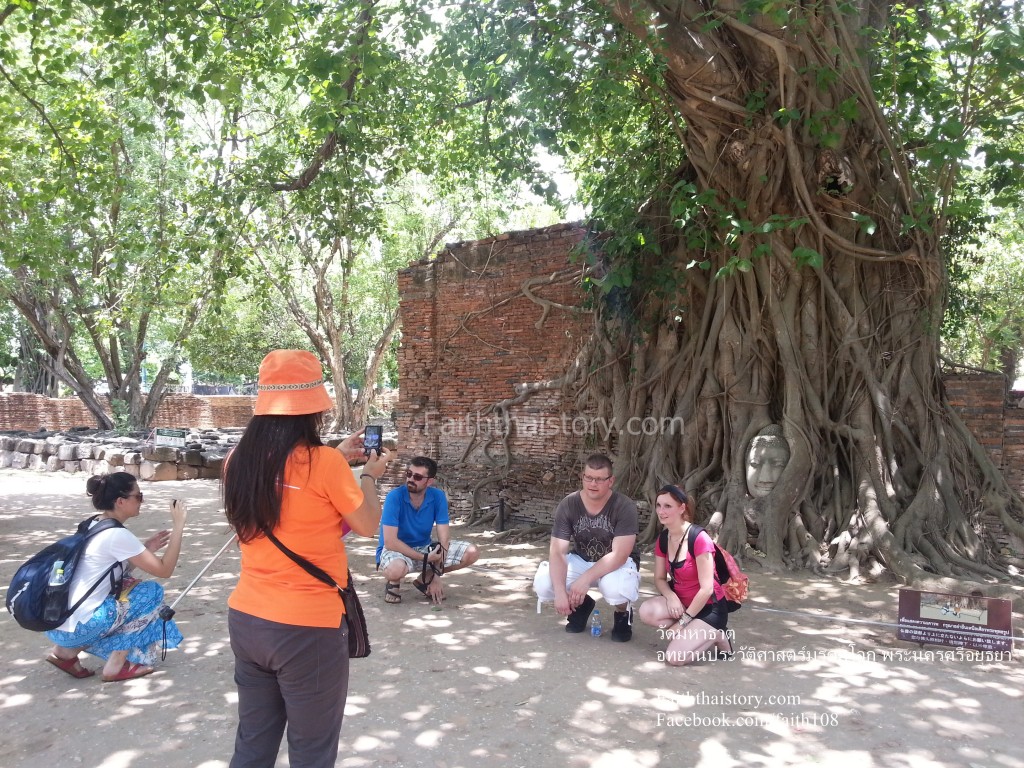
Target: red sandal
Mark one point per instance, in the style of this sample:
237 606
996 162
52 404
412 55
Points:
71 666
129 672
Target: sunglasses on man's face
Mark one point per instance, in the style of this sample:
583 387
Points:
410 475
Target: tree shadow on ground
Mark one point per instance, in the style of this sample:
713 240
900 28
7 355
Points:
484 680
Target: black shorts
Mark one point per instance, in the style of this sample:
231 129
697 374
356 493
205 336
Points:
716 614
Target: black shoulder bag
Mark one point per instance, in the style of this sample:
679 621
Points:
358 637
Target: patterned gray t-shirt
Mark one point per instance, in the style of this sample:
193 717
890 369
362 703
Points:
592 535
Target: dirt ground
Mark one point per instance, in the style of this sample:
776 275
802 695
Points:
485 681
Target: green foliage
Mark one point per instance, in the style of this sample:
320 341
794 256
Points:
984 321
232 339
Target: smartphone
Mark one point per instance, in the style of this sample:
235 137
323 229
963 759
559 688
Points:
373 439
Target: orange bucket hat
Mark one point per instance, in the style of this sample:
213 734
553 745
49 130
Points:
291 383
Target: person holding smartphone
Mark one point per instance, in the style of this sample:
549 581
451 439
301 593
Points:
288 630
405 543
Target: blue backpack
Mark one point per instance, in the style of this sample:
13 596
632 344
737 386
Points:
40 605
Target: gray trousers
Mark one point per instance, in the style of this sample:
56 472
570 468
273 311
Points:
288 676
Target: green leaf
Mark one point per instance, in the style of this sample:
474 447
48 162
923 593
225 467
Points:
807 257
867 224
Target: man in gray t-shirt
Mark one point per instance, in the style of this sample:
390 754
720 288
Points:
602 525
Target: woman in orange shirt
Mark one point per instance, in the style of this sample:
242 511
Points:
287 628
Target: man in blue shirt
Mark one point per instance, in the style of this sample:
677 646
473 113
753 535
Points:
410 513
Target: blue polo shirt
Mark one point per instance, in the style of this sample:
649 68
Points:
414 525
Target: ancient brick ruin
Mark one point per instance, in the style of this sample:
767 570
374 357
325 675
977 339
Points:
478 322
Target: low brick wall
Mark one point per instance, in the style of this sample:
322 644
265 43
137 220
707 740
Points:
32 413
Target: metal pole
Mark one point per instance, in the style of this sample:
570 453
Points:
167 612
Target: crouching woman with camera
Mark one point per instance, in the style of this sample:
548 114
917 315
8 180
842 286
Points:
122 627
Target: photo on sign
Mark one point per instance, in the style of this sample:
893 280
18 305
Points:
967 609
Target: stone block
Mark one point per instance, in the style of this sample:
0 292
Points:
213 461
53 464
71 466
115 457
87 465
193 458
157 471
209 473
84 450
5 458
100 467
36 462
160 453
68 452
135 470
187 472
132 459
29 446
7 443
19 460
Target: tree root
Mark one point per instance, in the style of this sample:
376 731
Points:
522 533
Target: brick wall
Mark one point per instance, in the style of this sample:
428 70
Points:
470 336
20 410
981 402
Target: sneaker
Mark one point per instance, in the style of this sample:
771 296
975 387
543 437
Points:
578 618
622 632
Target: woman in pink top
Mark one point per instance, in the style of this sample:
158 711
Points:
691 605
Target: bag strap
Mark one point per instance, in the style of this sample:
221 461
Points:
691 538
434 569
313 570
83 527
663 540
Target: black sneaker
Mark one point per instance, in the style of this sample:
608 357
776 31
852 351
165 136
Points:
578 618
622 632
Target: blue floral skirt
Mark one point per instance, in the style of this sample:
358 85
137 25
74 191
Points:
129 624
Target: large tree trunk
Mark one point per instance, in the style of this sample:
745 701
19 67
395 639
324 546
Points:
841 350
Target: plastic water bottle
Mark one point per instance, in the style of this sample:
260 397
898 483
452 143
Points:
595 623
57 574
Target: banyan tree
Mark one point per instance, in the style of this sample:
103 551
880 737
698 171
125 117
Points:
766 255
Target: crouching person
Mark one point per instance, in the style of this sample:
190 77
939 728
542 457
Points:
602 525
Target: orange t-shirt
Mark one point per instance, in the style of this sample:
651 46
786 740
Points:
316 495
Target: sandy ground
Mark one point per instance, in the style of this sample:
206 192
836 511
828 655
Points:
485 681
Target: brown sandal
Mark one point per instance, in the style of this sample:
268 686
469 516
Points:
391 592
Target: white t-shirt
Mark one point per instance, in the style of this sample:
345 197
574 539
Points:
102 551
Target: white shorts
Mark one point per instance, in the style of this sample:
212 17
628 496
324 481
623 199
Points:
618 587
